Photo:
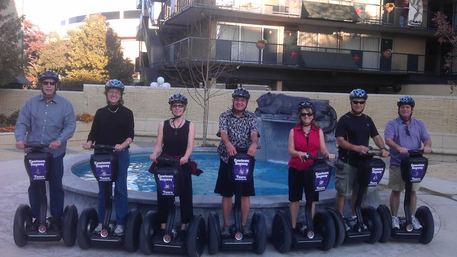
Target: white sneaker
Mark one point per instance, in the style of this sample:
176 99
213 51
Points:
119 231
99 227
416 224
395 222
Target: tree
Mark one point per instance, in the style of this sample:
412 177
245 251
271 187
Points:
88 56
10 38
54 55
117 67
33 43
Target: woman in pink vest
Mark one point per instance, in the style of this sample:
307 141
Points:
306 140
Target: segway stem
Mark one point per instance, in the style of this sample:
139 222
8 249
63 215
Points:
308 215
407 202
108 186
171 218
43 201
237 207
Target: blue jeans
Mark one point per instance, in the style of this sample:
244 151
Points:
56 194
120 191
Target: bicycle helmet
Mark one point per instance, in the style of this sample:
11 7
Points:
406 100
241 92
177 98
306 104
48 75
358 93
114 83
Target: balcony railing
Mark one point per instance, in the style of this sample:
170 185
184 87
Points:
367 13
241 52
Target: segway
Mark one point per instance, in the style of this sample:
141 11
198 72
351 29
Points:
368 226
37 163
171 239
104 165
413 170
242 167
319 231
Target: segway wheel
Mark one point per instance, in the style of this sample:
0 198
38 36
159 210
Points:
259 228
386 220
340 230
132 228
373 221
70 221
324 224
147 231
22 219
425 217
86 224
214 234
195 240
281 232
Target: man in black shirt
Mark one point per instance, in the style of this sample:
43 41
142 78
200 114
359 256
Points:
353 132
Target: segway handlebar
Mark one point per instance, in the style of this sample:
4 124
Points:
36 147
102 147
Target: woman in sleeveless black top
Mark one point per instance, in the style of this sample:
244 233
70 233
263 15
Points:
175 137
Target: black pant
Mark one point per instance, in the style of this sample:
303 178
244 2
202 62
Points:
185 199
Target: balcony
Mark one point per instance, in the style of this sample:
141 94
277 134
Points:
290 57
356 11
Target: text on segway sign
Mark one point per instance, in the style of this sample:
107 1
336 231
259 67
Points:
321 181
38 169
240 169
103 170
417 172
166 183
375 176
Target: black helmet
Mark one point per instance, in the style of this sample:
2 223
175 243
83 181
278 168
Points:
177 98
306 104
48 75
241 92
406 100
114 83
358 93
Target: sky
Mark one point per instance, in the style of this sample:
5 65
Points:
47 14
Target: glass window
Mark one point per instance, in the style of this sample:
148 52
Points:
350 41
111 15
133 14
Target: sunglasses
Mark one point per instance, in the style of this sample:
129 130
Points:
177 106
407 131
52 83
309 114
358 102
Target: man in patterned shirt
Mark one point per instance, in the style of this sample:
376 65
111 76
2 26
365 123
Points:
238 130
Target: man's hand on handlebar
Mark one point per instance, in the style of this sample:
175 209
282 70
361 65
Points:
231 150
361 149
427 149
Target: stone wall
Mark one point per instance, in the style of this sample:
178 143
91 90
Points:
150 107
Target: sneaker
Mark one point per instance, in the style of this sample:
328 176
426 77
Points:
225 232
395 222
416 224
247 230
350 222
35 224
99 227
119 230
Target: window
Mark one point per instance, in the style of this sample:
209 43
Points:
132 14
111 15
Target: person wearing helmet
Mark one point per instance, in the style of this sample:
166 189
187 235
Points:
238 131
114 125
175 138
353 132
48 119
305 139
402 134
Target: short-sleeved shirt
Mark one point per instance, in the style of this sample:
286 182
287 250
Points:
408 135
357 130
238 129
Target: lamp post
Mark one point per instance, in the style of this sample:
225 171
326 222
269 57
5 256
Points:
260 44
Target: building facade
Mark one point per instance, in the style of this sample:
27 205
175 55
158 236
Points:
312 45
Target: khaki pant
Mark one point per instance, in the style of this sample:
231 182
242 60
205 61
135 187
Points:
345 179
396 183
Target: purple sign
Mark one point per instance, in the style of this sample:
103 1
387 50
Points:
38 169
103 170
166 184
240 169
375 176
322 178
417 172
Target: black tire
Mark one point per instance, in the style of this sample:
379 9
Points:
70 221
147 230
372 219
22 219
340 230
425 217
132 228
281 232
259 228
386 220
214 235
323 223
195 240
86 224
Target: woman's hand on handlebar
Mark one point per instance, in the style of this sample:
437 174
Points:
153 157
183 160
330 156
118 147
